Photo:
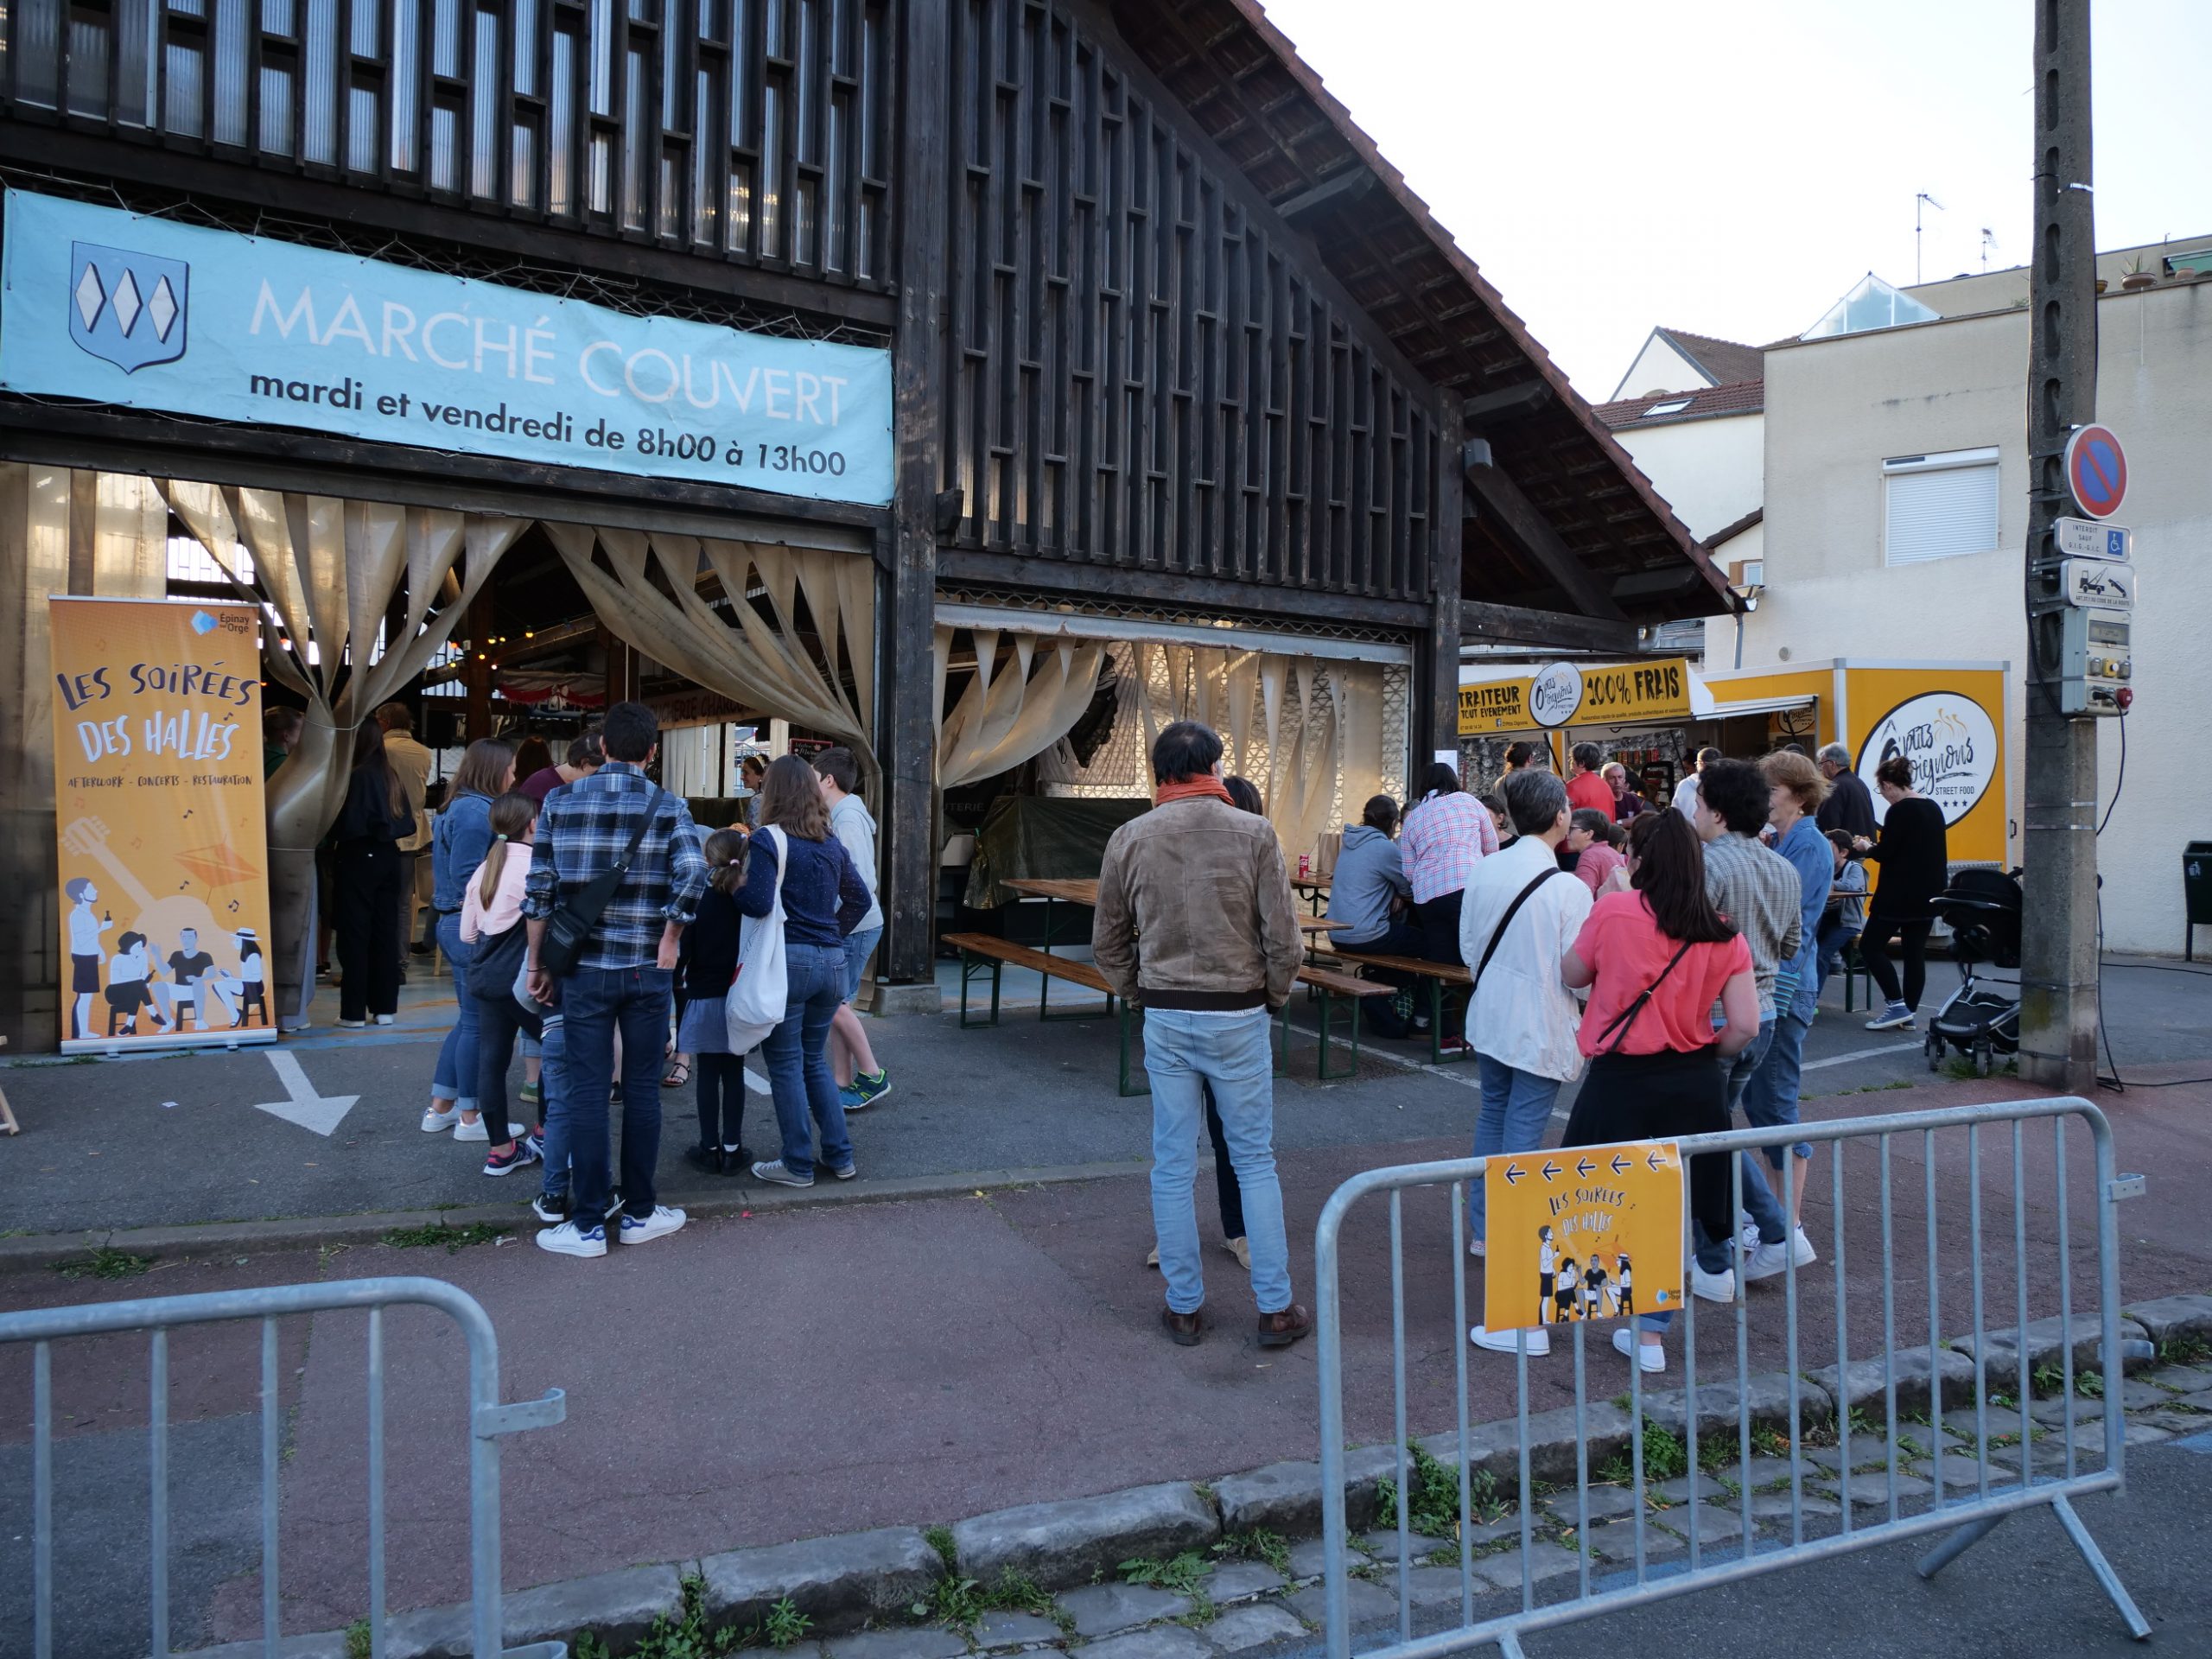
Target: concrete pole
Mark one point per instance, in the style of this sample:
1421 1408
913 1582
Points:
2059 966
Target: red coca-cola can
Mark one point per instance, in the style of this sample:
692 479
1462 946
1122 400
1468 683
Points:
1305 866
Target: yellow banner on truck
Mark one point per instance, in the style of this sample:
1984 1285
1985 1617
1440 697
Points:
1562 694
157 784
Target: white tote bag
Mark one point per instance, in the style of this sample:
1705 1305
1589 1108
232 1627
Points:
755 1002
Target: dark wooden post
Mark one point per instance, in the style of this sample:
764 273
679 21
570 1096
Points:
1438 673
907 738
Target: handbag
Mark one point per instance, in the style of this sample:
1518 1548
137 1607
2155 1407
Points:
757 1001
571 923
499 956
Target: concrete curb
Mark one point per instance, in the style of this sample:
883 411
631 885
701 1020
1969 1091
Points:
844 1582
302 1232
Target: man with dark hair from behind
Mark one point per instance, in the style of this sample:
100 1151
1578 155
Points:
624 977
585 756
1196 925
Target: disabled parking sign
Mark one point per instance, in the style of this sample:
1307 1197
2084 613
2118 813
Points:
1583 1233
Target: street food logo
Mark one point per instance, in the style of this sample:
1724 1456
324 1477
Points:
1950 743
126 308
1556 693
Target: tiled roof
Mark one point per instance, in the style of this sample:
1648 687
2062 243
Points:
1728 362
1743 398
1265 108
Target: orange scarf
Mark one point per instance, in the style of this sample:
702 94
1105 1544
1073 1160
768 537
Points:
1190 789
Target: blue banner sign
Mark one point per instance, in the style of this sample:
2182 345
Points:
115 307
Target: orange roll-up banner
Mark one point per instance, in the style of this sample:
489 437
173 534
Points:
164 861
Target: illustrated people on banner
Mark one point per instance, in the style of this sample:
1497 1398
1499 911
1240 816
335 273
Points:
85 930
1567 1297
1546 1272
251 979
127 972
1593 1289
191 973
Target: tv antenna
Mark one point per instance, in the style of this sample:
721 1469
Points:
1923 200
1988 241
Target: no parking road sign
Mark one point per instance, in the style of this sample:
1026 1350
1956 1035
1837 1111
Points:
2096 470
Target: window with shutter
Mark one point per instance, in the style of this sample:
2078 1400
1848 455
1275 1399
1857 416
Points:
1936 506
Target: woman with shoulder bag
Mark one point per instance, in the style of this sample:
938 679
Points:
795 861
493 931
1656 959
459 837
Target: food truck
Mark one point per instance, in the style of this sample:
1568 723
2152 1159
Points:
1653 715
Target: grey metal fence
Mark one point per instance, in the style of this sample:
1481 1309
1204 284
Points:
1971 1492
488 1420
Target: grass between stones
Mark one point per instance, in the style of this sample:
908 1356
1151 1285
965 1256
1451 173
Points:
434 1234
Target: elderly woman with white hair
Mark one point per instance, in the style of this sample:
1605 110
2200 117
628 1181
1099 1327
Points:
1848 807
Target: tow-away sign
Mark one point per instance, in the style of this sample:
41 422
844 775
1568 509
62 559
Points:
2097 584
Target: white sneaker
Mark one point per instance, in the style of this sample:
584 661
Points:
662 1222
1508 1342
1649 1355
1712 1286
1770 1259
352 1024
1747 1237
1477 1248
1896 1017
384 1019
568 1239
465 1130
437 1123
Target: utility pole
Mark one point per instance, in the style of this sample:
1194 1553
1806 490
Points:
2058 957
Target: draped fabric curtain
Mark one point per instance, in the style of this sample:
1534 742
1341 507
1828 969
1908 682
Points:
1012 711
763 662
328 568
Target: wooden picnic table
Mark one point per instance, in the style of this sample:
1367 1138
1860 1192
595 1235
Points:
1080 892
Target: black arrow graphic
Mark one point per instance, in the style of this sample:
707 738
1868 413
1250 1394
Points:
1550 1170
1585 1169
1622 1164
1513 1174
1656 1161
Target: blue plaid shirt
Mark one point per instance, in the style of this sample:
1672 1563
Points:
583 830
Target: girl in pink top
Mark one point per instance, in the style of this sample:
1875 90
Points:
1656 959
493 908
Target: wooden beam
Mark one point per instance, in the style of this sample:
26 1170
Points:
1439 676
1348 186
905 734
1481 623
1491 406
1528 529
1076 578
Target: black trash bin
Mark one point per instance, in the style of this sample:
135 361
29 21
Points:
2197 893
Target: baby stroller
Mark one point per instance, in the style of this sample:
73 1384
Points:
1982 910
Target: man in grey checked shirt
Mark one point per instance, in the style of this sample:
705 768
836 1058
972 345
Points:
1758 889
624 980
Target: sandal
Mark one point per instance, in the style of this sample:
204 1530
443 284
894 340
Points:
679 1073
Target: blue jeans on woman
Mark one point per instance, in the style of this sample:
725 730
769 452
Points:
455 1077
798 1071
1516 1111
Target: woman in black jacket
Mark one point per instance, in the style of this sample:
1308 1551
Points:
366 839
1914 853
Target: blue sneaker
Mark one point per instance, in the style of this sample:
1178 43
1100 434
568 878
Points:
865 1090
568 1239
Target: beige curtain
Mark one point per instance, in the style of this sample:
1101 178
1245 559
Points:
762 662
1014 710
328 568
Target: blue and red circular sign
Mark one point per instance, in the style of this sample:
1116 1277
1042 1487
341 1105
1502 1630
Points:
2096 470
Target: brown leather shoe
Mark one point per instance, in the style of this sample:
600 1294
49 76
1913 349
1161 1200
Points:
1281 1330
1183 1328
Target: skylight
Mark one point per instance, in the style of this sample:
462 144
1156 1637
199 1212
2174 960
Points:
1672 406
1872 304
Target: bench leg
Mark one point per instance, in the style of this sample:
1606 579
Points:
969 964
1126 1092
1328 1024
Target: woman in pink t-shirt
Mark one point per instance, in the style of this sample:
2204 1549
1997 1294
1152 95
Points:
1656 959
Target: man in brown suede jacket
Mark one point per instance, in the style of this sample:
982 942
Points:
1195 925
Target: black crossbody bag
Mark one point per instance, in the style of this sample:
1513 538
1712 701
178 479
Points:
1506 921
571 923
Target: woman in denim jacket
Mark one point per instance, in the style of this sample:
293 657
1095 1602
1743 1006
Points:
459 840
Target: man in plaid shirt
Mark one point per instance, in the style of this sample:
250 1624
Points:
624 979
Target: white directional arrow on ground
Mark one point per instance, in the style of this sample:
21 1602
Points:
321 1113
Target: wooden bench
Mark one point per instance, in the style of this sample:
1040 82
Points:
1434 974
986 953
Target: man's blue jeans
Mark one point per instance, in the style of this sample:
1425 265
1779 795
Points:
552 1084
455 1077
1717 1255
594 1003
1516 1110
798 1071
1232 1053
1771 1097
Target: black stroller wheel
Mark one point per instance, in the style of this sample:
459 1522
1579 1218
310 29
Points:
1934 1047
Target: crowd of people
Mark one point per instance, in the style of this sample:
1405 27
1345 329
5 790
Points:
1670 956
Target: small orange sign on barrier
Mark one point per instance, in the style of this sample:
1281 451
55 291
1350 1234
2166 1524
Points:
1583 1233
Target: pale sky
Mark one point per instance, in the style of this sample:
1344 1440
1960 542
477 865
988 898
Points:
1732 166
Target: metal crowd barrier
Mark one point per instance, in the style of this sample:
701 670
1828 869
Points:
1980 1504
488 1420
